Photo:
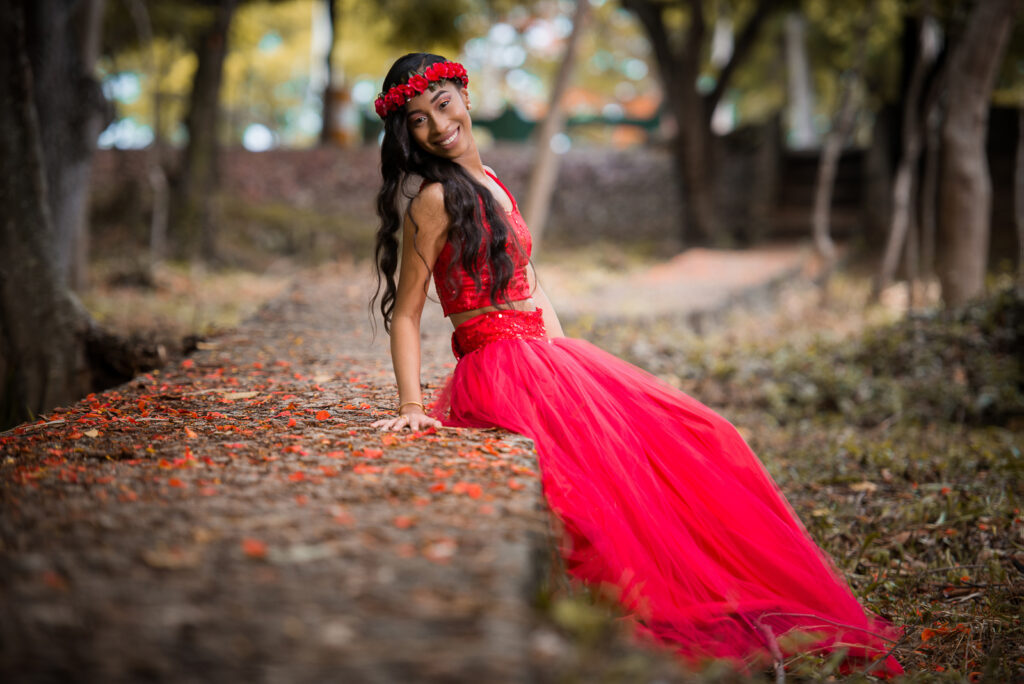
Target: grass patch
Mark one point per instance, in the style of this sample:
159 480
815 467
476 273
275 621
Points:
177 300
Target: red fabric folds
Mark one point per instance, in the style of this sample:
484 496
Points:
661 499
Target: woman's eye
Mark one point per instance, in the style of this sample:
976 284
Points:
444 104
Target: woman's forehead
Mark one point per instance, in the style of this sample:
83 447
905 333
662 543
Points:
425 98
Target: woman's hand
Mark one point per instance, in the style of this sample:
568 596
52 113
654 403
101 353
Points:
415 419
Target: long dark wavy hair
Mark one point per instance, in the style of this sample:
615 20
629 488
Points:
468 203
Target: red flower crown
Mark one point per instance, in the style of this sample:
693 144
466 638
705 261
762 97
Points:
403 92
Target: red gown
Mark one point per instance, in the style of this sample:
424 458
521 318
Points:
661 499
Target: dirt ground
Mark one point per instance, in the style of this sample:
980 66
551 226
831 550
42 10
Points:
234 517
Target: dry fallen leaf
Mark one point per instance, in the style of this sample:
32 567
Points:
902 537
240 395
171 558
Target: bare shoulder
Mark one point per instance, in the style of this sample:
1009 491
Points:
490 170
427 209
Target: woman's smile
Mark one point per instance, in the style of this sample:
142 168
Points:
450 140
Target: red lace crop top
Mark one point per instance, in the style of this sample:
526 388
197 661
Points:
455 286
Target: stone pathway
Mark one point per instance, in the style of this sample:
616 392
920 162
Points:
235 518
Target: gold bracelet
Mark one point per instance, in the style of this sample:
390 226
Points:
401 406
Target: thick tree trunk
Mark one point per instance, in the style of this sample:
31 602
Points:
70 107
197 179
51 351
965 188
544 174
679 64
42 353
694 148
679 69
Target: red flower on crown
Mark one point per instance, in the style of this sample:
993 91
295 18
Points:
398 95
418 83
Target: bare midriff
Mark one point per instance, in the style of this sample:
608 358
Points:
461 317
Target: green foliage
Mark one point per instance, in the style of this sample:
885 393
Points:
833 43
425 22
961 367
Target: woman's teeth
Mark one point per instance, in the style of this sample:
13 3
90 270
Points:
450 139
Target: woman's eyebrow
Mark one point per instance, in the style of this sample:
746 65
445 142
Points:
438 94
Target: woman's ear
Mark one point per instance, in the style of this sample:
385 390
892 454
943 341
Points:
465 98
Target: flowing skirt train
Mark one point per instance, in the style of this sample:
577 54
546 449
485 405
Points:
661 498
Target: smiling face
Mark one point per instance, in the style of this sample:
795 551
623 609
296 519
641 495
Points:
438 120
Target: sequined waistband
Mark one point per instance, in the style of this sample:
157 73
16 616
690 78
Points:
507 324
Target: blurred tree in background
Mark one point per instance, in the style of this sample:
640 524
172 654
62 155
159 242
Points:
51 350
35 299
965 187
680 35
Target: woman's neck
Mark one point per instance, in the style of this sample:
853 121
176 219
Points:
473 165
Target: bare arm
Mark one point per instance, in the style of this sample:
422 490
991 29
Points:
551 323
423 237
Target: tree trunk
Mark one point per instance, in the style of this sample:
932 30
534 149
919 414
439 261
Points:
965 188
69 107
679 64
695 148
833 149
197 179
329 113
154 162
931 118
828 165
930 192
679 69
1018 197
42 353
51 351
903 224
544 174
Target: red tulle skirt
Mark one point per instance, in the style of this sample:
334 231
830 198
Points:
661 499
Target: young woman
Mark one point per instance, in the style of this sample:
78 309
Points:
660 497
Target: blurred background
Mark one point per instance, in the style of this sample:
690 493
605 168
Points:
175 162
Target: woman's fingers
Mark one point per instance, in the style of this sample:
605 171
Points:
391 423
419 421
413 421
